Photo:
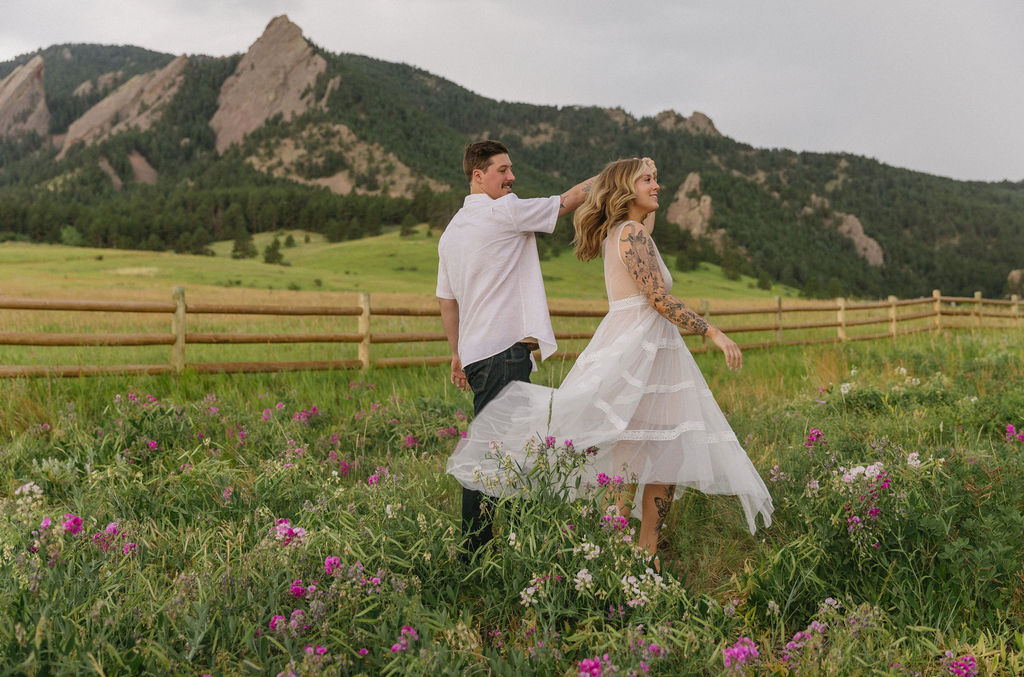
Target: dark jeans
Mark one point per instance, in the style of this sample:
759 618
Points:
487 378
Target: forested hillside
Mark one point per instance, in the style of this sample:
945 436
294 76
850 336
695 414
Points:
379 144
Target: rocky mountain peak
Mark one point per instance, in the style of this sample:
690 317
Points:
23 100
697 123
270 79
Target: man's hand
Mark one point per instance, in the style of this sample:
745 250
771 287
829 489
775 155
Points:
458 377
733 356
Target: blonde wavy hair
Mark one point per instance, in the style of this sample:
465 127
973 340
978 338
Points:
606 205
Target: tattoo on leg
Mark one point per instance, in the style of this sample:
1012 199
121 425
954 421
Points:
664 504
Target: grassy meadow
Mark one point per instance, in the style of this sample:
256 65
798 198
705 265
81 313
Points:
395 270
303 524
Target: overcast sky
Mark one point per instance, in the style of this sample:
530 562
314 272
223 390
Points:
931 85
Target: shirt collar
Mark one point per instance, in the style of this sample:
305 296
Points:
477 199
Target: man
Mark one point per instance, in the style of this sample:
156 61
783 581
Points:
491 291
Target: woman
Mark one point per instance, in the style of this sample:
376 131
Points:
635 393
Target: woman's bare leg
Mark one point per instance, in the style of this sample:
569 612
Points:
657 500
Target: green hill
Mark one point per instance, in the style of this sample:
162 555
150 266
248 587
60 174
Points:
388 263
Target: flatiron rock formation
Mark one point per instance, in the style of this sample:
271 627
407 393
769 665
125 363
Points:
23 101
692 211
137 103
270 79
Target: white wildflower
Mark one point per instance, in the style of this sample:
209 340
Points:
528 596
584 581
589 550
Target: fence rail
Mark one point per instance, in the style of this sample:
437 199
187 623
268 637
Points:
778 323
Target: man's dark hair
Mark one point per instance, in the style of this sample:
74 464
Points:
478 155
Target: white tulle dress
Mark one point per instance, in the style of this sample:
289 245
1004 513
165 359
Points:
636 394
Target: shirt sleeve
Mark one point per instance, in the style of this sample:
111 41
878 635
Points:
537 215
444 287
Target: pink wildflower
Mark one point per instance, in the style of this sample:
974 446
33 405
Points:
741 653
72 523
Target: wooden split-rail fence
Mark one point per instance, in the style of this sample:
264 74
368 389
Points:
896 317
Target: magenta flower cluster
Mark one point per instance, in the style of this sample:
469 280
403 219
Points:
296 624
815 438
615 522
285 534
107 538
356 572
742 653
594 666
377 477
964 666
72 523
815 631
306 415
1012 434
408 634
299 591
331 564
104 540
861 527
604 480
344 467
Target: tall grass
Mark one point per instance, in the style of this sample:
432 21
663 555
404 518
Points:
238 496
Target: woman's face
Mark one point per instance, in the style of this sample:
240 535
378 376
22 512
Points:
646 200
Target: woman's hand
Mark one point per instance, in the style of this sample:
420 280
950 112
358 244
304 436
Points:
733 355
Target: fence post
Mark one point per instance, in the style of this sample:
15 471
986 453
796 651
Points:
178 328
977 309
778 320
937 295
841 318
705 310
892 315
364 329
1016 309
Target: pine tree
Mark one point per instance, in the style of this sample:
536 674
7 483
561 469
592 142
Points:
244 247
272 253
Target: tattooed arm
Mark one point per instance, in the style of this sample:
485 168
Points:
573 198
643 263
